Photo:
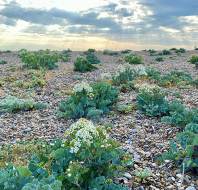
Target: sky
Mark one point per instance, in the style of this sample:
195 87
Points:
99 24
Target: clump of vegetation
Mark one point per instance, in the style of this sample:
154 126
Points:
88 101
110 52
91 57
152 102
34 78
65 55
180 50
152 52
175 78
180 116
133 59
79 161
183 151
165 52
124 108
39 60
124 79
126 51
14 104
3 62
194 60
82 65
153 74
159 59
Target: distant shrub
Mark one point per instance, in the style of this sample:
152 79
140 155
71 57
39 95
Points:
110 52
196 48
14 104
180 116
88 101
34 78
180 50
82 65
175 78
166 52
126 51
194 60
3 62
92 58
159 59
133 59
153 74
64 55
91 50
152 52
39 60
152 101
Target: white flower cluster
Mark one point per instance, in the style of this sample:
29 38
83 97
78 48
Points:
150 88
82 86
84 132
105 76
141 70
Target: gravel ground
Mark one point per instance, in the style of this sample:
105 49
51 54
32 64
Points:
144 137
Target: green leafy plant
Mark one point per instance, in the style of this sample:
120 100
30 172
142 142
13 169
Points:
88 101
126 51
14 104
194 60
165 52
152 101
180 50
175 78
81 64
87 158
92 58
180 116
39 60
153 74
143 174
3 62
133 59
159 59
125 108
184 151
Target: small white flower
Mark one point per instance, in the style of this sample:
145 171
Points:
82 86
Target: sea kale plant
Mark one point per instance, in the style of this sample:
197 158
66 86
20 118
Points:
43 59
184 149
151 100
13 104
180 116
82 65
91 57
194 60
133 59
88 101
3 62
87 158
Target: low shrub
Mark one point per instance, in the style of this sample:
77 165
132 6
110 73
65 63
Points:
88 101
3 62
92 58
152 102
159 59
194 60
153 74
39 60
133 59
14 104
175 78
85 159
180 116
110 52
184 151
152 52
81 64
126 51
166 52
180 50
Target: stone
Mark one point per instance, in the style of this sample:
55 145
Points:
127 175
191 188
